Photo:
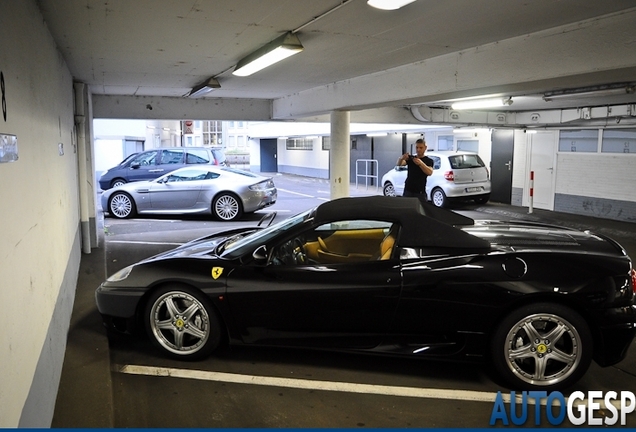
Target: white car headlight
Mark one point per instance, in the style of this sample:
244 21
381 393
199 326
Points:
121 274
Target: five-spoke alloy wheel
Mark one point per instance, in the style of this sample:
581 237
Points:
182 323
542 346
438 197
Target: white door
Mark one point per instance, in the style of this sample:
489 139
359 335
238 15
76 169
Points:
543 146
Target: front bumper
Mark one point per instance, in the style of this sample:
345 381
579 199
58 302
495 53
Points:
118 303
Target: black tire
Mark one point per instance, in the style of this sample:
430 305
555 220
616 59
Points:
227 207
388 189
438 198
524 355
117 182
482 199
121 205
185 336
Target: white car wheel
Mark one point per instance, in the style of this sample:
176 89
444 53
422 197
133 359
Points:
388 189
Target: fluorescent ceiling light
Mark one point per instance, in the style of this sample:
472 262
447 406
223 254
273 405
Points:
468 130
204 88
377 134
600 91
481 103
275 51
388 4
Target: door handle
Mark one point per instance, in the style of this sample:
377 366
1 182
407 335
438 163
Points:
509 165
155 170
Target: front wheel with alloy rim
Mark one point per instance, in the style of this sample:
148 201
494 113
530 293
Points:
438 197
388 189
227 207
542 346
182 323
121 205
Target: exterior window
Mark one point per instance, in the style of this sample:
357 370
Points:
619 141
445 142
299 144
468 145
326 143
585 140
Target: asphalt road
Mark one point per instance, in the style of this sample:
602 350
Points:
254 387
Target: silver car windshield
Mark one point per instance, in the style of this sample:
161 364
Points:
238 246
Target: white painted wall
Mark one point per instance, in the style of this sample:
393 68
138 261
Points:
39 216
597 175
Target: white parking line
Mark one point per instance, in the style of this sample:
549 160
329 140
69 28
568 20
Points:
144 242
427 393
295 193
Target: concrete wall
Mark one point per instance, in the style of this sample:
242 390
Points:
39 216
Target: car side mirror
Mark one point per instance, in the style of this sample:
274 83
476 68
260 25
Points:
135 165
260 254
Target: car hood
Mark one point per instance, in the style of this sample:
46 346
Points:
201 247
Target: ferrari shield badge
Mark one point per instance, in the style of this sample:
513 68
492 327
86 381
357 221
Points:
216 272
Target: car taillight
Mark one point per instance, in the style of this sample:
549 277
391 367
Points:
487 173
634 280
449 175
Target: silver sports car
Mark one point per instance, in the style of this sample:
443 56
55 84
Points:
225 192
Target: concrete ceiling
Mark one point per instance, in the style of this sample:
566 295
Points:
140 57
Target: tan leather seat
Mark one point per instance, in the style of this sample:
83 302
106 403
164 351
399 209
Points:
386 247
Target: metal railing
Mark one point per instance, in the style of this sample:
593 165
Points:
370 167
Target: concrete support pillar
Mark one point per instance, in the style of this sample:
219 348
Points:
340 155
86 166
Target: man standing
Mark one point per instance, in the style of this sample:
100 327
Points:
419 168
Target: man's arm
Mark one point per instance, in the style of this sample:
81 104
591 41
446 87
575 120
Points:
425 168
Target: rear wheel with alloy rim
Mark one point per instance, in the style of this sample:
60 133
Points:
121 205
227 207
438 197
542 346
182 323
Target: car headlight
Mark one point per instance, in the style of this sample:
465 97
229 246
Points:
121 274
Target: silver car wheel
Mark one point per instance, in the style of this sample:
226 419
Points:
543 349
389 190
179 323
121 205
438 197
117 183
227 207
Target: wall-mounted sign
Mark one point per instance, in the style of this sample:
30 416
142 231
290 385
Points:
8 148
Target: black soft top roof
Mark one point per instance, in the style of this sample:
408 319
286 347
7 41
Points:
423 224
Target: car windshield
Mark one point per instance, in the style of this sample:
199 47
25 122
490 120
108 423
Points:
238 245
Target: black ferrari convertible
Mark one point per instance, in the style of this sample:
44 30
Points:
393 277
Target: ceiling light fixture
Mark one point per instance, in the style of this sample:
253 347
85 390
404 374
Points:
388 4
377 134
597 91
275 51
481 103
204 88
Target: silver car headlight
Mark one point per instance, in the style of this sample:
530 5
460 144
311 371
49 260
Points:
121 274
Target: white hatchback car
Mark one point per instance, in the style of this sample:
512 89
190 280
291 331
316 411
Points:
457 175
